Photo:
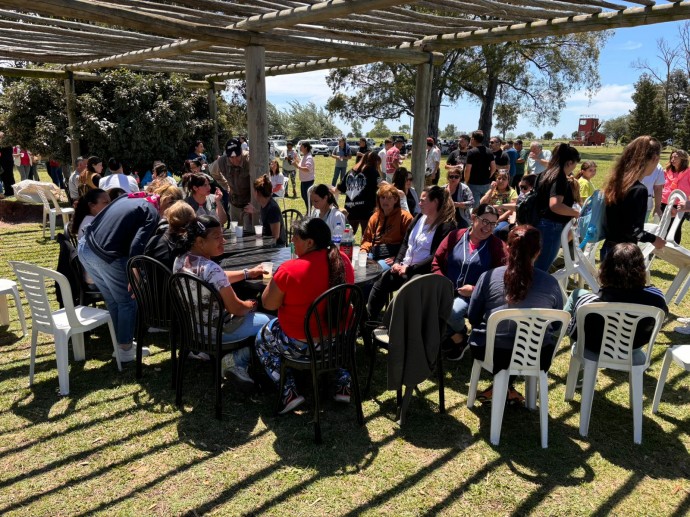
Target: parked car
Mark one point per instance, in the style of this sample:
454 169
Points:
279 146
317 148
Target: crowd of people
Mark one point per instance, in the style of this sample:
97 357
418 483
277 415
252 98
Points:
466 229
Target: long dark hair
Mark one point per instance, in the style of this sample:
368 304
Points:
83 208
400 178
317 230
630 167
199 227
322 191
193 179
524 243
263 186
562 154
446 208
623 267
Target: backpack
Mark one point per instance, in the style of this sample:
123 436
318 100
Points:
592 219
527 210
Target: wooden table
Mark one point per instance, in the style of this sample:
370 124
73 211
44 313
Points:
246 243
279 255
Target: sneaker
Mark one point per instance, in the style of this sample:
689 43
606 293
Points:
127 356
515 398
291 401
684 321
485 396
683 330
239 378
458 351
342 394
201 356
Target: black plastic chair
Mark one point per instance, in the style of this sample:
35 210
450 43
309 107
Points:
72 238
337 314
199 327
88 293
290 216
149 281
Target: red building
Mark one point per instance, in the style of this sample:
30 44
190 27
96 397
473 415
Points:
588 131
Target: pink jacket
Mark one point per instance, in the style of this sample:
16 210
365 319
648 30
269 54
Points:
675 180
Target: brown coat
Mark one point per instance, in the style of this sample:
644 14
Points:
386 230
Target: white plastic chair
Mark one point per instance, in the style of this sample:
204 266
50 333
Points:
681 356
531 331
575 265
620 324
68 323
48 198
667 225
9 287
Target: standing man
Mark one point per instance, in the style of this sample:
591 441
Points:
538 159
480 167
500 156
393 158
7 165
387 144
73 181
231 171
433 160
522 154
341 154
512 157
458 159
289 155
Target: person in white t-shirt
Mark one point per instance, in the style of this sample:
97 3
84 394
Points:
382 154
655 185
118 179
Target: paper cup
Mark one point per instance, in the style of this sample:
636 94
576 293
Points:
239 232
233 226
362 259
268 271
258 230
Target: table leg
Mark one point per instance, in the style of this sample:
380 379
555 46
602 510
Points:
4 311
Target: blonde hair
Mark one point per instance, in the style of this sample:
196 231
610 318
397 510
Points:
168 195
179 215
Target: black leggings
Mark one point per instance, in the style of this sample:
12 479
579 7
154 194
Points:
678 235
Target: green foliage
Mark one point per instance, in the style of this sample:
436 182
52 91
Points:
548 135
380 130
682 139
405 128
450 131
301 121
616 128
506 117
356 128
649 116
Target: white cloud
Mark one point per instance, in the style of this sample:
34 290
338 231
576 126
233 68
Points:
610 101
629 45
304 87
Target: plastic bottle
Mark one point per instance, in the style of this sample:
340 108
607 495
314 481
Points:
337 234
347 242
293 255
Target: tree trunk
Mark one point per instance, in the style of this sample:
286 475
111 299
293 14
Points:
434 113
487 109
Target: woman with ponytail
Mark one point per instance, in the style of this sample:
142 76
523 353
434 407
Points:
517 285
555 200
295 285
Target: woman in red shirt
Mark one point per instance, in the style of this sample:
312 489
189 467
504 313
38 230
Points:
295 285
677 174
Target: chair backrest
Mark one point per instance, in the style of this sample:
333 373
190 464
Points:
73 239
290 216
533 327
198 313
44 198
579 263
336 315
620 326
309 191
666 217
149 280
33 281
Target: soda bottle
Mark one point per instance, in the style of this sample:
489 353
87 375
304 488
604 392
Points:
347 242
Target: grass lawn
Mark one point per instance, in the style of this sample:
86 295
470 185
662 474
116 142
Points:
120 446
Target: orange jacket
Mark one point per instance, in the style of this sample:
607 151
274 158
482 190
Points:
386 230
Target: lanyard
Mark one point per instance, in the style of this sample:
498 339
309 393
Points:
465 265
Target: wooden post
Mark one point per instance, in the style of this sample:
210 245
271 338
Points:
257 128
213 113
70 101
420 126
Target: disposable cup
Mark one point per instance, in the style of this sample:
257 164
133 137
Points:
258 230
233 226
362 259
239 232
268 271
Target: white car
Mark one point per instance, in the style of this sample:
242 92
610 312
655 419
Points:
317 148
279 146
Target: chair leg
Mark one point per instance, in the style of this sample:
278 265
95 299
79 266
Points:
571 381
636 376
588 384
668 358
52 226
356 391
216 380
441 387
20 310
372 348
61 354
45 219
544 409
498 403
173 358
402 412
4 310
78 348
531 392
180 370
140 343
317 407
474 382
32 363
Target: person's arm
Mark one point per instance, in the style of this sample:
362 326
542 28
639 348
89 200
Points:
631 210
557 206
468 173
272 297
486 198
405 243
658 190
233 304
275 230
492 168
145 231
221 214
214 170
238 276
477 309
438 264
368 236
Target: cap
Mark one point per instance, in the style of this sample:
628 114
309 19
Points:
233 147
430 141
400 139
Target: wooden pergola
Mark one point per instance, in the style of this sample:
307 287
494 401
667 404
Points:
250 39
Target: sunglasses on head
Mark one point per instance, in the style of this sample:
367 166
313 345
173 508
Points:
453 177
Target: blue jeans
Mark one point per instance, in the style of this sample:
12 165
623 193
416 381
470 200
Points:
550 243
338 173
304 187
250 326
456 321
478 192
111 280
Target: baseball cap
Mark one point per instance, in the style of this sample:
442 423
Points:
400 139
233 147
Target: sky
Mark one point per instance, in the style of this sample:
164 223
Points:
618 77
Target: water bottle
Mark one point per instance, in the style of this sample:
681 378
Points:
337 234
293 255
347 242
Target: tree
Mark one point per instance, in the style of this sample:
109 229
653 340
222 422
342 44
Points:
450 131
538 75
380 130
616 128
548 135
357 128
649 116
506 118
575 134
683 135
404 128
306 121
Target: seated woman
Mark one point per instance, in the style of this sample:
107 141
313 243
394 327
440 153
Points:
462 198
271 216
517 285
203 240
325 207
159 175
462 257
409 200
199 196
88 207
295 285
387 227
423 236
277 179
498 195
623 278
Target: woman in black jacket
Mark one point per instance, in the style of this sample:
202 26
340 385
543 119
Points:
425 233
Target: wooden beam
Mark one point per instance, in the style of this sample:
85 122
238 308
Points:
72 132
632 17
256 115
213 113
420 124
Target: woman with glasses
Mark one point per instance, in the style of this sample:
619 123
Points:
555 200
402 179
498 195
462 198
462 257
